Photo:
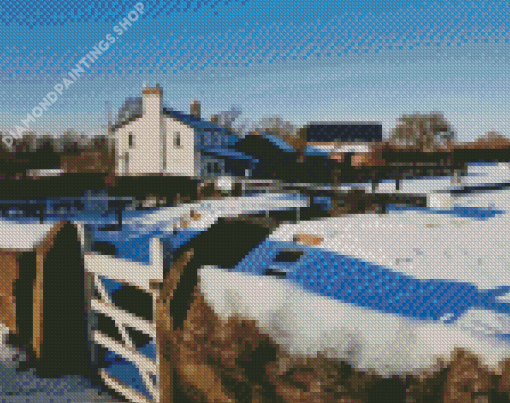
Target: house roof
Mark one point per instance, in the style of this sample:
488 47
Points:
344 131
228 153
277 141
193 121
132 112
131 118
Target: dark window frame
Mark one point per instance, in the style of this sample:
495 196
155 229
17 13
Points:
177 140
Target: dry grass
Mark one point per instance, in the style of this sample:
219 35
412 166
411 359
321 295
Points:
234 361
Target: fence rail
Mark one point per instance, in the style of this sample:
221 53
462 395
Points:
127 349
101 303
261 186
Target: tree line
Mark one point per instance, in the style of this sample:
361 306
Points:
416 131
69 142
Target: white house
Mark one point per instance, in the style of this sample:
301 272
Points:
152 139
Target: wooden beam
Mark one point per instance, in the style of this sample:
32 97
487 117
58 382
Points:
164 327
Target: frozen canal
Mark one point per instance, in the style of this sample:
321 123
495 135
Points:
435 239
380 285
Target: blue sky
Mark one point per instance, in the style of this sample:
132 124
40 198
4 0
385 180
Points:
304 61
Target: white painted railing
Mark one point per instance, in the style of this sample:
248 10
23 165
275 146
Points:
146 366
140 276
120 388
126 349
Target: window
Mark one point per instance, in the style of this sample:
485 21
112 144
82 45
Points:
277 272
207 138
131 140
213 167
177 140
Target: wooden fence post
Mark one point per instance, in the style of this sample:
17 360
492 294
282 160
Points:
164 327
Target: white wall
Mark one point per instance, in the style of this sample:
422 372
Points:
145 156
180 161
150 154
154 150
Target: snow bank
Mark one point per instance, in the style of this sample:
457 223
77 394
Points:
421 245
304 324
22 236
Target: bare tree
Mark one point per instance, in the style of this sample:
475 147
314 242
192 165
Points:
227 118
243 127
70 141
3 147
26 143
131 107
101 142
276 125
46 143
425 132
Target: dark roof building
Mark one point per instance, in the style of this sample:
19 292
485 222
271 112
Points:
278 142
276 160
328 132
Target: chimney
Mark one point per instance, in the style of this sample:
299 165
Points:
152 100
214 119
195 109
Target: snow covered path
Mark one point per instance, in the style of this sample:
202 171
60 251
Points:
27 387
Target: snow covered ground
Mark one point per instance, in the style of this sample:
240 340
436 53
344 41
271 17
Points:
305 323
477 175
132 242
25 386
419 244
424 245
22 237
210 210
